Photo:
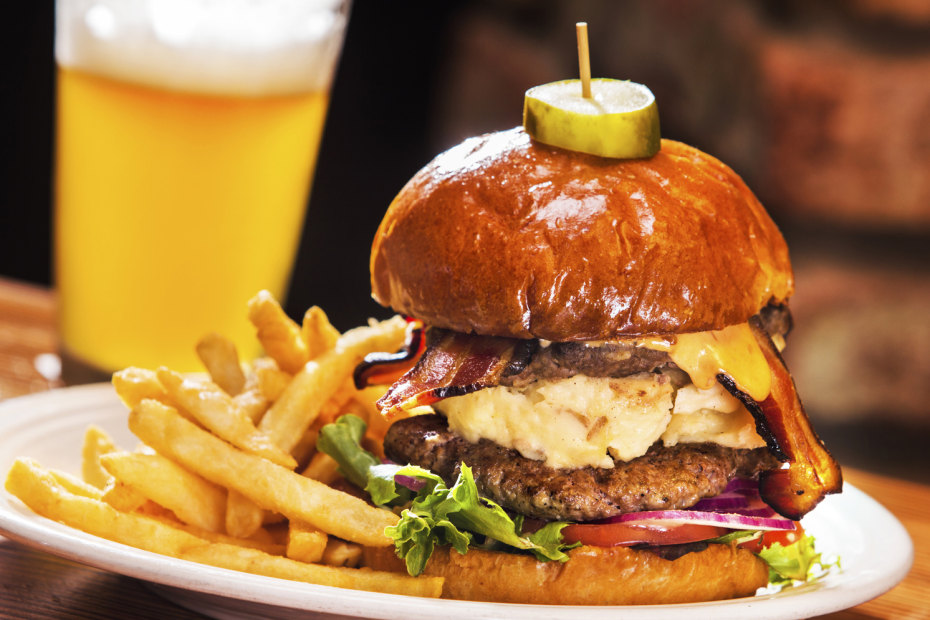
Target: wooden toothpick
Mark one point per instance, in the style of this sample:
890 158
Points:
584 60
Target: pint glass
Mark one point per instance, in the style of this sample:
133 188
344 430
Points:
187 132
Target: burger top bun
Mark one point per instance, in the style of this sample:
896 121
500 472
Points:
505 236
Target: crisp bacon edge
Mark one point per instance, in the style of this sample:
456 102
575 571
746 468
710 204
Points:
810 471
381 368
454 364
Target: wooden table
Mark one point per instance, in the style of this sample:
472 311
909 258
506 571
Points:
34 584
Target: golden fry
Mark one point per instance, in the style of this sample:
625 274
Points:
190 497
252 403
318 333
260 540
39 490
366 399
75 485
243 516
133 384
217 411
220 358
271 380
305 543
270 486
306 447
342 553
253 561
322 468
279 335
123 497
291 415
96 443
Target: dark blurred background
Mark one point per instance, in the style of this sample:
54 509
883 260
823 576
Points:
822 106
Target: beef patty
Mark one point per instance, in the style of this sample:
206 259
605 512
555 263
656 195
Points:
665 478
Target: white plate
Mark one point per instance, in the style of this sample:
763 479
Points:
49 427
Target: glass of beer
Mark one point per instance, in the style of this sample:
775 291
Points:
187 133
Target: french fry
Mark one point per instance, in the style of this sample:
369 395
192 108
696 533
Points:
253 561
216 410
306 447
243 516
220 358
252 403
260 540
305 543
292 414
279 335
39 491
271 380
377 423
123 497
193 499
318 333
269 485
75 485
133 384
336 405
341 553
321 468
265 536
96 443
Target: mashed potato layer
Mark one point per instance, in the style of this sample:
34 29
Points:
590 421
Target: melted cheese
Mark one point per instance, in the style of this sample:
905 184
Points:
732 351
571 422
590 421
711 415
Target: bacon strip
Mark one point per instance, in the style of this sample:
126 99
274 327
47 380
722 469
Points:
381 368
811 471
455 364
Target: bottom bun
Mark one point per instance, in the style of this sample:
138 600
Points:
593 575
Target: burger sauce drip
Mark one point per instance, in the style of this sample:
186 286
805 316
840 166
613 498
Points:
746 362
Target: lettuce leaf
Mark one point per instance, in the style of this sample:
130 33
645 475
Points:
799 561
435 514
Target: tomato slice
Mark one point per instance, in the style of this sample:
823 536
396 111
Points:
626 534
768 538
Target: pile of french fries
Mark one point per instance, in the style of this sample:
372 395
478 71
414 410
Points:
228 473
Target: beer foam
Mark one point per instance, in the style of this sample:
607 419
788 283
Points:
223 47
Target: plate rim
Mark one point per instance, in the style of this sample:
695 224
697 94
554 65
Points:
18 523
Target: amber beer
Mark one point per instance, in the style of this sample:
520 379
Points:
180 185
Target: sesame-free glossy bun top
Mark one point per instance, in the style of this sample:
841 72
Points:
502 235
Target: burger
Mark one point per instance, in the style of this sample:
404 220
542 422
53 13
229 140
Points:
598 358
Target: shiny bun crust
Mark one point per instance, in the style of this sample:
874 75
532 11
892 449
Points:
593 576
504 236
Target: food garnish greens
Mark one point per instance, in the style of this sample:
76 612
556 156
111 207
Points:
434 514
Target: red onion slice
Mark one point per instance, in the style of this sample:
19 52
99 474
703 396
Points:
722 503
414 484
671 518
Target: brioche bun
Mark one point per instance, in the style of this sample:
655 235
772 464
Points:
505 236
592 575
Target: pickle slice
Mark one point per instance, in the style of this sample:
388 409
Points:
619 120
